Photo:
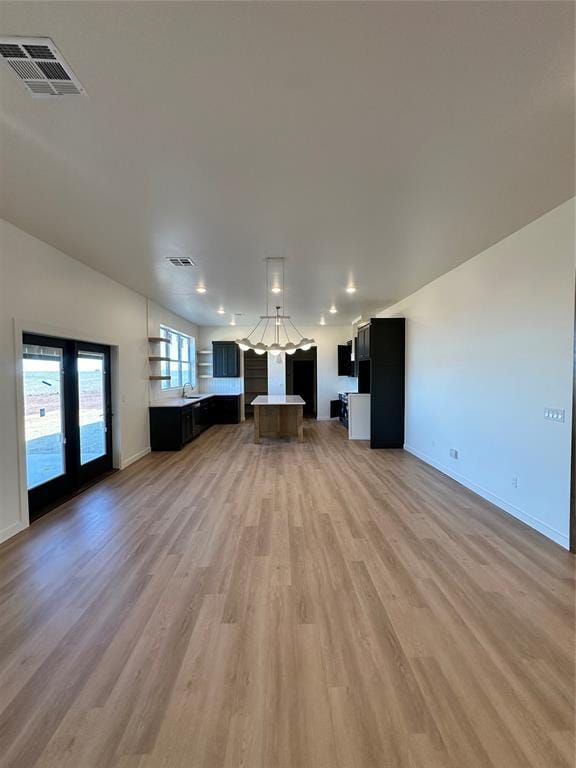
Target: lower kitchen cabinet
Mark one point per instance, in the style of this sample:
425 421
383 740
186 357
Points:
226 409
172 426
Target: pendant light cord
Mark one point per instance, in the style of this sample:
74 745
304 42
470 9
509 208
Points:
279 319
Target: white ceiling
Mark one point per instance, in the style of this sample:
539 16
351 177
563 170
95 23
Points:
379 142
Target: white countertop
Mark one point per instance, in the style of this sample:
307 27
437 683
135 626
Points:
278 400
180 402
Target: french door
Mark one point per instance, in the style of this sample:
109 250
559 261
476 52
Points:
67 411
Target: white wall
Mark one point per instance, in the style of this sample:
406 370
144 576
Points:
208 334
329 383
158 316
276 374
489 346
327 340
42 290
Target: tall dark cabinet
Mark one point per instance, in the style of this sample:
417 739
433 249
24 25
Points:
381 367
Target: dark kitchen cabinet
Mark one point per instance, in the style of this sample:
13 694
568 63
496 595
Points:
344 359
187 424
363 343
225 359
170 427
387 353
226 409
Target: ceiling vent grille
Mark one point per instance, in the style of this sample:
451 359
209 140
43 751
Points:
38 63
178 261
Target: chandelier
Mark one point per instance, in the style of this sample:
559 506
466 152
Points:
279 334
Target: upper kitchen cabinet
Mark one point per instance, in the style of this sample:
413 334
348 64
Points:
344 359
363 343
225 359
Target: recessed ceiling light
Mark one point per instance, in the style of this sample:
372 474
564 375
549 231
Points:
233 321
322 321
221 311
276 289
201 289
332 310
350 289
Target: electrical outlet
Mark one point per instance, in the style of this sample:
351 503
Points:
515 481
453 453
555 414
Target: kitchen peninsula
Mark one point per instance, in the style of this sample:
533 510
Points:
278 416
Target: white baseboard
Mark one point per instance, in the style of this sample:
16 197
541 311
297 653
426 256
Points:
519 514
131 459
12 530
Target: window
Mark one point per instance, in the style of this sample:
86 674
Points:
181 366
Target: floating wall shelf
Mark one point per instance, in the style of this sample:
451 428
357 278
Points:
159 359
158 339
159 378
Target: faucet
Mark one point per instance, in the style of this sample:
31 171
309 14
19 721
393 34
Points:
184 388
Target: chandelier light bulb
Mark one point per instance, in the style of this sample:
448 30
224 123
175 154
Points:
244 344
275 349
260 348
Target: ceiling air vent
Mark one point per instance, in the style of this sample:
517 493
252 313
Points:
40 66
178 261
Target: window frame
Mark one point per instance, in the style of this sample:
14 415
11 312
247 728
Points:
186 368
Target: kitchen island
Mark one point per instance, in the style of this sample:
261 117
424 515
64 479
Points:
278 416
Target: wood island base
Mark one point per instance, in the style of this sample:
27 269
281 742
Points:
278 416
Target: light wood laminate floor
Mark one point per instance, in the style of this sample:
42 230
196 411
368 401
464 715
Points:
314 605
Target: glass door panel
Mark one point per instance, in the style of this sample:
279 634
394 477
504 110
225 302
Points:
91 405
43 413
67 395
